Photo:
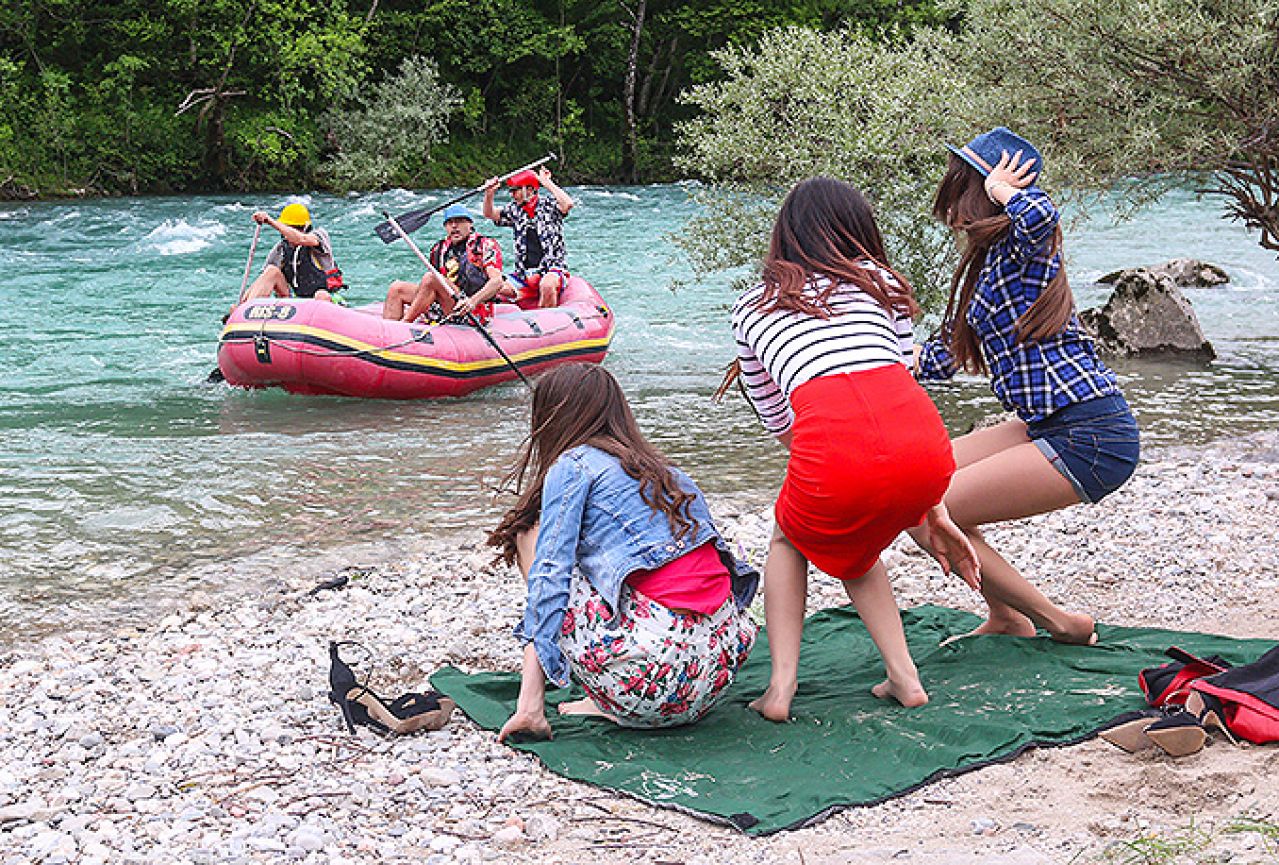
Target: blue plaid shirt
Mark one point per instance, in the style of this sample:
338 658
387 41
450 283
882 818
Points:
1034 378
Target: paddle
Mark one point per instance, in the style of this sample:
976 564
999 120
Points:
216 375
469 317
414 219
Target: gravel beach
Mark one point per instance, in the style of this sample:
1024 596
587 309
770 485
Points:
206 736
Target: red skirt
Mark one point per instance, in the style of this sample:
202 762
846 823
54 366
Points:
869 457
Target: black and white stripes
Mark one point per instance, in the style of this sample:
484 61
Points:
781 349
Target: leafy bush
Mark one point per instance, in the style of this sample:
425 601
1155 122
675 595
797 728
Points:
808 103
386 136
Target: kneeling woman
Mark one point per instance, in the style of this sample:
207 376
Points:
632 593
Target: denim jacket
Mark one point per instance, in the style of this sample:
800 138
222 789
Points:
594 519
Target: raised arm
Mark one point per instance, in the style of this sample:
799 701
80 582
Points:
563 200
490 210
1010 184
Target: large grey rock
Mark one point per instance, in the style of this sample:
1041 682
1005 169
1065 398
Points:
1185 272
1147 314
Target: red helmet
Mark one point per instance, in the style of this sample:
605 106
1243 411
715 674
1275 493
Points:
523 178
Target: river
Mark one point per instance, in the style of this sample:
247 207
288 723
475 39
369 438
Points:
126 482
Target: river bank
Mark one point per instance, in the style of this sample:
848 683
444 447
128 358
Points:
206 735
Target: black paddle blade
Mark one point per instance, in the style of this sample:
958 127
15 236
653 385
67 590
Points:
410 222
215 376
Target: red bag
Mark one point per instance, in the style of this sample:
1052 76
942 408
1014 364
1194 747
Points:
1169 685
1246 698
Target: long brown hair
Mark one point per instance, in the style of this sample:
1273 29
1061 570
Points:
826 228
963 205
576 404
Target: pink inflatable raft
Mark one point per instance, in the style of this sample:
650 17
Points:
315 347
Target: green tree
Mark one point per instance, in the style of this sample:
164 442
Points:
1134 95
1144 90
386 136
839 103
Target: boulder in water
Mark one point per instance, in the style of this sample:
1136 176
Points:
1146 315
1185 272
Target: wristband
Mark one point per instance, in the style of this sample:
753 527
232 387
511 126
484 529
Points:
991 187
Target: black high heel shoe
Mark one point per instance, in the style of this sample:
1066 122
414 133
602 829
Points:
1178 735
408 713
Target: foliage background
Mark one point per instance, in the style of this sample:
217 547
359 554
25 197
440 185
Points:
90 92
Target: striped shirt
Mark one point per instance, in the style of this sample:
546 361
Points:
781 349
1032 378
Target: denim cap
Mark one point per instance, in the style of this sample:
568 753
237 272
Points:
984 151
457 211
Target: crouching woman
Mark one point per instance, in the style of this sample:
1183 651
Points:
632 593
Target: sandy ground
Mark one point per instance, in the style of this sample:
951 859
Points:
206 736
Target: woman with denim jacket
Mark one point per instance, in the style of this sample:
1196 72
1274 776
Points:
632 593
1011 314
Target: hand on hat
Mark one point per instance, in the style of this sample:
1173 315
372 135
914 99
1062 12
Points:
1009 176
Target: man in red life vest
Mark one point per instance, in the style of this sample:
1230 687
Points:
538 224
471 263
301 264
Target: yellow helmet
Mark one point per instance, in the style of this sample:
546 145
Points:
296 215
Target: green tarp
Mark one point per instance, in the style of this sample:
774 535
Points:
991 698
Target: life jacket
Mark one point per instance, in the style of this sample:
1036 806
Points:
467 271
304 275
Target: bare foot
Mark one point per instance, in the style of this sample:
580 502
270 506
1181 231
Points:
909 694
774 703
584 706
1019 627
1082 631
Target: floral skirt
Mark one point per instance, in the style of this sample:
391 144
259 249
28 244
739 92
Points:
650 666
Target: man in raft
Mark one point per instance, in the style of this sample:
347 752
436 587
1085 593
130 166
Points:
538 224
301 264
470 262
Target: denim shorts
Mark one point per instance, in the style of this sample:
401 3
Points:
1094 444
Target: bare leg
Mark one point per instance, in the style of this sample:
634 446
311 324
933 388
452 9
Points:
785 594
549 291
270 281
586 707
398 296
430 290
872 595
1013 482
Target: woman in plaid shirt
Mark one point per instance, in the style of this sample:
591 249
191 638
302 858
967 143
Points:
1011 315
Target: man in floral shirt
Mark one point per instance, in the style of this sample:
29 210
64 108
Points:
538 224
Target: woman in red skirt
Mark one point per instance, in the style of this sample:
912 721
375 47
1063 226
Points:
823 345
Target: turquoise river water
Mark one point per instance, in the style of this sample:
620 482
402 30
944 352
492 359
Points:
127 482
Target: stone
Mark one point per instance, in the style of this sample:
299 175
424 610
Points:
540 827
445 844
20 811
509 836
433 776
138 792
1185 272
1147 315
162 731
983 825
305 838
